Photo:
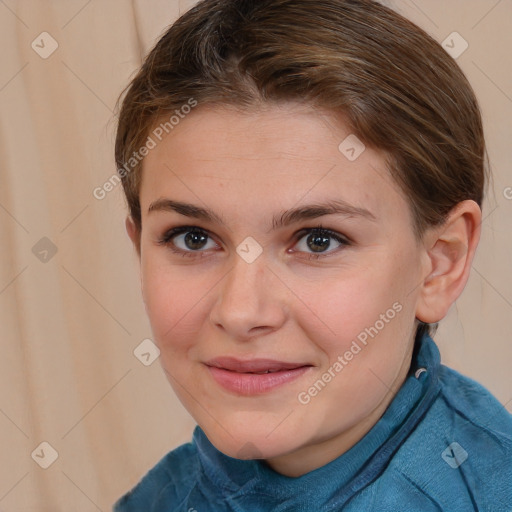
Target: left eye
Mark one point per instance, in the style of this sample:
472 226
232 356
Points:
318 240
191 240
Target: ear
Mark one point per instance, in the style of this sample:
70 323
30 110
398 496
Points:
133 233
450 250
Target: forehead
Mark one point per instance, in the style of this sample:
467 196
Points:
268 158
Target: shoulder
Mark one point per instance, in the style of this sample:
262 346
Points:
459 457
173 477
474 405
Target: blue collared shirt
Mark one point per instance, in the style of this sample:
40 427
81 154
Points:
443 444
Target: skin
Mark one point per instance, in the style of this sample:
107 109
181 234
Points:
247 168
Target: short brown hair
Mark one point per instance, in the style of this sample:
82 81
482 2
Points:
396 87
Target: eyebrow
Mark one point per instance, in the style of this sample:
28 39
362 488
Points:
294 215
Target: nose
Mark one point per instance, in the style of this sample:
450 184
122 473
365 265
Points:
250 301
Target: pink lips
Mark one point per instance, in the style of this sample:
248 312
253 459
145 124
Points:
248 377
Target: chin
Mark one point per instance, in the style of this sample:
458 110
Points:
250 442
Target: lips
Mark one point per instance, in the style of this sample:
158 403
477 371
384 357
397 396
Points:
254 376
253 365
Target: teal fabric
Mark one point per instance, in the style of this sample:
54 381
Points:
443 444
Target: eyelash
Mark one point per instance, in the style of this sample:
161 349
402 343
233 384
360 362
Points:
319 230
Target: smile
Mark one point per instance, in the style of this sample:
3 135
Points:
253 377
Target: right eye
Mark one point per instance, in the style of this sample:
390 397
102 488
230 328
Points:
186 240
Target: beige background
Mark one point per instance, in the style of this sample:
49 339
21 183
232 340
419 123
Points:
68 375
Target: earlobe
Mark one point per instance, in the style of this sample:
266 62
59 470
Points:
451 253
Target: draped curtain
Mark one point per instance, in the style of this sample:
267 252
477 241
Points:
81 417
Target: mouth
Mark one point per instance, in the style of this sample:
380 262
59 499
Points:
255 376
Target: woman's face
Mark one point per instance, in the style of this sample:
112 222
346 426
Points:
250 283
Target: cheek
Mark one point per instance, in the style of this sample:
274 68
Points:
369 317
174 304
343 310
